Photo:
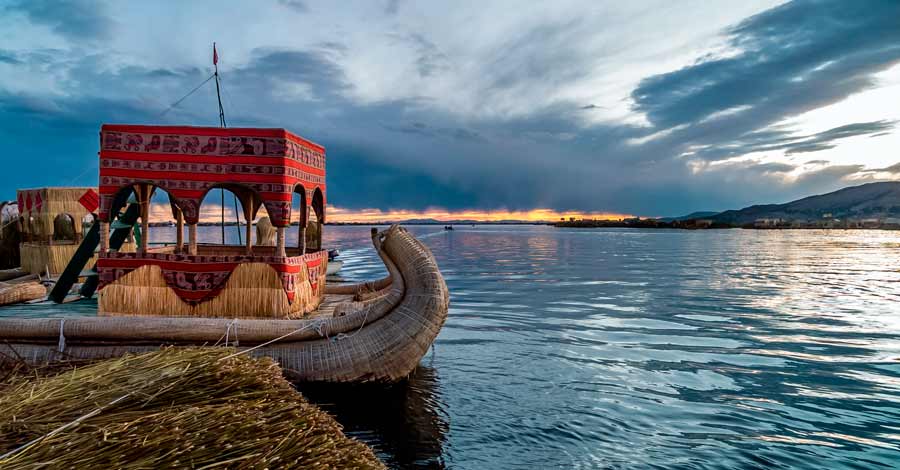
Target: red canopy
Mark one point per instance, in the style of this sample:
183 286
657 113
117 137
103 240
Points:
261 166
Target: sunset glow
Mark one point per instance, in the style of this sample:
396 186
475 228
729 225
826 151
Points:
210 212
336 214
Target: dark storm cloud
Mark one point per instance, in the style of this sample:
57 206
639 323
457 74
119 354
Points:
272 68
423 129
791 59
296 5
391 7
895 168
74 19
775 139
9 57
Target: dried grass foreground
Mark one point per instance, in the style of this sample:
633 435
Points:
184 408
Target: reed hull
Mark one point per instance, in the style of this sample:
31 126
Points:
379 336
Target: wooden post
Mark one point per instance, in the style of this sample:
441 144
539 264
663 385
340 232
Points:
302 242
319 237
279 243
104 237
143 195
248 229
192 239
179 229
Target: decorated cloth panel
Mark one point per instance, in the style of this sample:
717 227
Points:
197 278
188 161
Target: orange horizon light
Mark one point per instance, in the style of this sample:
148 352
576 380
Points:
210 212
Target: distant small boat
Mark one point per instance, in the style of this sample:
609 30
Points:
334 264
448 227
334 267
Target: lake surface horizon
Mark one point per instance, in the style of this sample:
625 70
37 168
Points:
632 349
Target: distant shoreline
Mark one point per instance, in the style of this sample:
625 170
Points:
705 225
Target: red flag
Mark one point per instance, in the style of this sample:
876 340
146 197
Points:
90 200
215 55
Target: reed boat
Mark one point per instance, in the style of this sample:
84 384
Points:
374 331
269 300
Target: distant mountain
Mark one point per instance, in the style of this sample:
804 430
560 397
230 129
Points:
867 201
691 216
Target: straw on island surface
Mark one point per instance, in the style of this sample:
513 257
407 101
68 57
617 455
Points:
182 408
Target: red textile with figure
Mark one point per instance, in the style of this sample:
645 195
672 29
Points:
187 162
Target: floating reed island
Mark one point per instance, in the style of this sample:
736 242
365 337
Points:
175 408
270 300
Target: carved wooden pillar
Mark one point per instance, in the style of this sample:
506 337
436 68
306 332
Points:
179 231
143 192
249 208
319 238
301 243
192 239
279 243
104 237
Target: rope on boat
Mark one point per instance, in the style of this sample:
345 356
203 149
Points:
61 346
232 324
173 105
316 325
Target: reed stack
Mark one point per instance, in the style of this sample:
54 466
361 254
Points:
175 408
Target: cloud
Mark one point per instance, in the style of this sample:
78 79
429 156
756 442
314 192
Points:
461 117
791 59
296 5
429 59
9 57
72 19
788 141
391 7
895 168
280 71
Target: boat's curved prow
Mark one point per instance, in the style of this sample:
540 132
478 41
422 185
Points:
395 329
381 335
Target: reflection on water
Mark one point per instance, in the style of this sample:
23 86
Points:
642 349
406 423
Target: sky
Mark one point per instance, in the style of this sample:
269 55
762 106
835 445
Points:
485 108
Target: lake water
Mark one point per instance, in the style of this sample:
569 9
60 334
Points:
639 349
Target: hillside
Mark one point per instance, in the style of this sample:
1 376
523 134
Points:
872 200
691 216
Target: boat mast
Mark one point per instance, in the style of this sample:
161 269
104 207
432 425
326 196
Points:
223 125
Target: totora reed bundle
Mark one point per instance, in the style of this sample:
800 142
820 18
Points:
37 258
21 292
182 408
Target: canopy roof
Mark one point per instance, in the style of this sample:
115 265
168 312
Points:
265 165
